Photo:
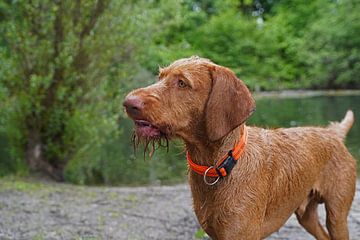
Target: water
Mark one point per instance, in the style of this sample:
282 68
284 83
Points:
315 111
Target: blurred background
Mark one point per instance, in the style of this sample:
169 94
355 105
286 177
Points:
65 67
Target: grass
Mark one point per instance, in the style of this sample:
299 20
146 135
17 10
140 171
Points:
19 184
201 234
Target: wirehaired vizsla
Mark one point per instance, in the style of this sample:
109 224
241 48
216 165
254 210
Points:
246 181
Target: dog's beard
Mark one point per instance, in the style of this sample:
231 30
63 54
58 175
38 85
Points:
150 144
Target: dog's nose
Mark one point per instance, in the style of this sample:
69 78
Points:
133 106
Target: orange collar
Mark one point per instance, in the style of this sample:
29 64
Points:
223 167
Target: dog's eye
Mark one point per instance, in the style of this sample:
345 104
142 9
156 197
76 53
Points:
181 84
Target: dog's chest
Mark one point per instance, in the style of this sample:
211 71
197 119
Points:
217 203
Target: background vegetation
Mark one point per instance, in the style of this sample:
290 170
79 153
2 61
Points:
66 65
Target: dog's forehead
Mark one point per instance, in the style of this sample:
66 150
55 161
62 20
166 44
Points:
186 67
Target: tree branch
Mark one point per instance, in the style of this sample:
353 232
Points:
81 59
99 9
58 75
76 13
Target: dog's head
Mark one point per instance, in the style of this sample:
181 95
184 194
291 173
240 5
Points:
192 98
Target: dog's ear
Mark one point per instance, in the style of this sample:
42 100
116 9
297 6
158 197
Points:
230 103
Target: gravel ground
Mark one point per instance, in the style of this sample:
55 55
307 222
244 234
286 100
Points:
33 210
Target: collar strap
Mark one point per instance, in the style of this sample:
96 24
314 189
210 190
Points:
223 167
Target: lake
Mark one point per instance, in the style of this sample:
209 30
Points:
302 111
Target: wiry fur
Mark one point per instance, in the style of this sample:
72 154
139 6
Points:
281 172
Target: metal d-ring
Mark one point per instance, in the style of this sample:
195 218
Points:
210 183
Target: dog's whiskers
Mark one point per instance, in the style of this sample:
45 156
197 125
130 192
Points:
150 144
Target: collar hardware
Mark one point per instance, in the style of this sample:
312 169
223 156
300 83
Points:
226 166
205 178
223 167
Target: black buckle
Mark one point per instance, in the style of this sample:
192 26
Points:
228 164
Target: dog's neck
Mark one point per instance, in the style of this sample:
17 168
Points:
205 152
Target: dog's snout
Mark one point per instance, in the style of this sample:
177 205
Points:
133 106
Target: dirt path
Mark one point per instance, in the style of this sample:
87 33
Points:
59 211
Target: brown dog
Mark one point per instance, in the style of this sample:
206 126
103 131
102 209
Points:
279 172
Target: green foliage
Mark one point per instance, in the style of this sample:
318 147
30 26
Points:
110 158
283 45
62 60
332 47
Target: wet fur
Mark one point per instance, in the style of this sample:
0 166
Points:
282 171
149 144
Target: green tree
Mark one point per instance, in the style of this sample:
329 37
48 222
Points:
270 45
331 47
61 61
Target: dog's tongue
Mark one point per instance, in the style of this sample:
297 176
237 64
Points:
146 129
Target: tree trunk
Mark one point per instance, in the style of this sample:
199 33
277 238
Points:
34 156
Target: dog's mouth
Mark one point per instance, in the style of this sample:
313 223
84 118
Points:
144 129
150 135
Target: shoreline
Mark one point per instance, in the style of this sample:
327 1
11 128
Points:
305 93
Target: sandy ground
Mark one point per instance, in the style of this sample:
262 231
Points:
61 211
